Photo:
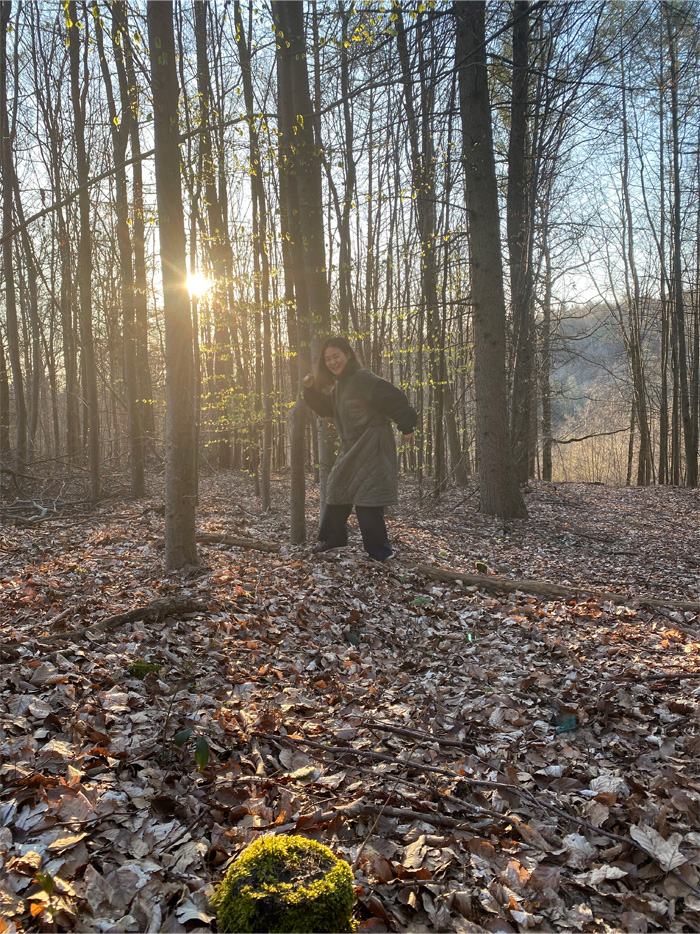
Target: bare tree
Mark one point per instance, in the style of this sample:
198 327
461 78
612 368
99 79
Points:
78 95
180 461
500 494
120 129
13 338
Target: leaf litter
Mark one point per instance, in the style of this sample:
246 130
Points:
484 763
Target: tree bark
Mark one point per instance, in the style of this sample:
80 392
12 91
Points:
634 342
519 205
295 280
180 461
423 172
78 94
500 494
120 131
143 369
216 242
13 341
48 97
690 436
261 249
5 443
302 183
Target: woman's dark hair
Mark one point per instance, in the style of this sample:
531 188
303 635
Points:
324 378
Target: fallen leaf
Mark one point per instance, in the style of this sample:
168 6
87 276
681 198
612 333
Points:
666 852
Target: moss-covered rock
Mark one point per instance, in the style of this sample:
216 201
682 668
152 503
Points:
285 884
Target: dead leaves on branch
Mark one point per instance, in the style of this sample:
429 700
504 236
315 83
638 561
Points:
500 764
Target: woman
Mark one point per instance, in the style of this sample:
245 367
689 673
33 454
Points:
365 474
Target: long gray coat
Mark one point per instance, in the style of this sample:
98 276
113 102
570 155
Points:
363 405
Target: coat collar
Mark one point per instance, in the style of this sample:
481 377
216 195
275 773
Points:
352 366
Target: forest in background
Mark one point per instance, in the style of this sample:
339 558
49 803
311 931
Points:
596 131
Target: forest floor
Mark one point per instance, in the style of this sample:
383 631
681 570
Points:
484 762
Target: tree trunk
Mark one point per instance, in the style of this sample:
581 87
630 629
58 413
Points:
143 370
634 343
457 455
500 494
664 469
520 248
423 172
5 443
180 469
546 358
13 341
89 369
216 242
261 249
120 130
302 185
295 281
37 366
678 316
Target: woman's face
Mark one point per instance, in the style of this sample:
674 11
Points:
336 360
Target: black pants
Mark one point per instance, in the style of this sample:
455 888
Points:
334 529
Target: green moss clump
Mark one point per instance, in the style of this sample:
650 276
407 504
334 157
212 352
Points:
140 668
285 884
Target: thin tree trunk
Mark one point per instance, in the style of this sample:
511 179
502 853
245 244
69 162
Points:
261 249
180 462
678 317
5 423
143 369
120 130
423 170
519 247
13 341
303 188
664 472
216 243
78 95
546 358
639 409
37 367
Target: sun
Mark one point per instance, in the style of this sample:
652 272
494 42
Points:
198 284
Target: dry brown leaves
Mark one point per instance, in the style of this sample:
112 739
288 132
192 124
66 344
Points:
484 764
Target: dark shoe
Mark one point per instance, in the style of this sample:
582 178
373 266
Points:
324 546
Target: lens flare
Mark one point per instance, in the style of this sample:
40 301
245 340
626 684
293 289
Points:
198 284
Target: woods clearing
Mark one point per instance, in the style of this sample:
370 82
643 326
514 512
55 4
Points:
485 761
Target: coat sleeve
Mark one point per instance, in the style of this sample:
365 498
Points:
321 403
391 401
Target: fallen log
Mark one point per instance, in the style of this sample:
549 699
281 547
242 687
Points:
548 589
254 544
153 612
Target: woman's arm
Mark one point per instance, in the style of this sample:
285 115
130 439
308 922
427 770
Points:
321 403
391 401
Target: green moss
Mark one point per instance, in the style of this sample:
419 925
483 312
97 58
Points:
285 884
140 668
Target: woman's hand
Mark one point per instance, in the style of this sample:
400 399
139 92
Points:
408 438
308 381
